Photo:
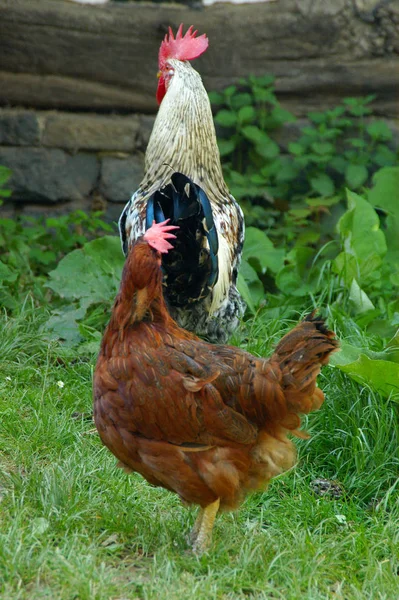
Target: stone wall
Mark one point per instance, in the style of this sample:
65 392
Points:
77 83
61 161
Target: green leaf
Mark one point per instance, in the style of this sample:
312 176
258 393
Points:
281 115
322 184
226 147
322 148
355 176
381 375
360 229
258 246
287 172
379 130
245 293
246 114
385 192
240 100
64 324
347 267
254 134
359 298
248 272
296 149
226 118
215 98
323 201
229 91
7 274
263 80
92 272
384 157
268 149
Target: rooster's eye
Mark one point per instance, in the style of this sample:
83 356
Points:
168 76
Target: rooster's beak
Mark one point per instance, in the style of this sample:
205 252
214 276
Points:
159 74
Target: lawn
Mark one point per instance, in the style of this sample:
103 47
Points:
73 526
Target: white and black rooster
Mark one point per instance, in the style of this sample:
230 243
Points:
183 182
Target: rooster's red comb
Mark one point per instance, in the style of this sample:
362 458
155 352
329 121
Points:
158 234
182 47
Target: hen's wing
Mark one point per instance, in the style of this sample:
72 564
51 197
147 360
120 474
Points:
169 394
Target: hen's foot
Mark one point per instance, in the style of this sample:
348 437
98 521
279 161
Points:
205 522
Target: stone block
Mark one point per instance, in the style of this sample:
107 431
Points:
19 128
47 176
90 132
120 177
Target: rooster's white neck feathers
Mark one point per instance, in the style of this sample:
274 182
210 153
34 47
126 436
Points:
183 138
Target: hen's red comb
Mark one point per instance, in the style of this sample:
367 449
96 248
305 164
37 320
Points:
158 234
182 47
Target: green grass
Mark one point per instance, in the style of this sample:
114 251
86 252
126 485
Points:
73 526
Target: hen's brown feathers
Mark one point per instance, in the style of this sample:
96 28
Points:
202 420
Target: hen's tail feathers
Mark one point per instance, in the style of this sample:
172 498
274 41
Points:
191 269
300 355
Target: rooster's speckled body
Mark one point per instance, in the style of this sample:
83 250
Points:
183 140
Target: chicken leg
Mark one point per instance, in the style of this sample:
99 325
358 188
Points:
201 534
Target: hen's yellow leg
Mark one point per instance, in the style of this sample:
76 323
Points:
205 522
196 527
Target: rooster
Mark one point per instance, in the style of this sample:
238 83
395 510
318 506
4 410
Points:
183 182
208 422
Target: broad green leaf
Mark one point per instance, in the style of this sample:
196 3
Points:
93 271
322 148
282 115
226 118
290 282
226 147
254 134
287 172
323 201
268 149
355 176
385 192
296 149
215 98
64 323
262 80
248 272
257 245
7 274
347 267
229 91
379 130
381 375
385 195
384 157
246 114
323 185
241 100
359 298
245 293
360 230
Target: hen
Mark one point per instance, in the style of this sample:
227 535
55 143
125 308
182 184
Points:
205 421
183 182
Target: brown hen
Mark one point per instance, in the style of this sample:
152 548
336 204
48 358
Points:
208 422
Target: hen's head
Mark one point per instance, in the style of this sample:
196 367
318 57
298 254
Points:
182 48
143 265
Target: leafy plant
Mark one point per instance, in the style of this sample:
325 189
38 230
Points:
33 246
282 191
87 281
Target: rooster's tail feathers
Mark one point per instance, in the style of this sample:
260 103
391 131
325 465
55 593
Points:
185 204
